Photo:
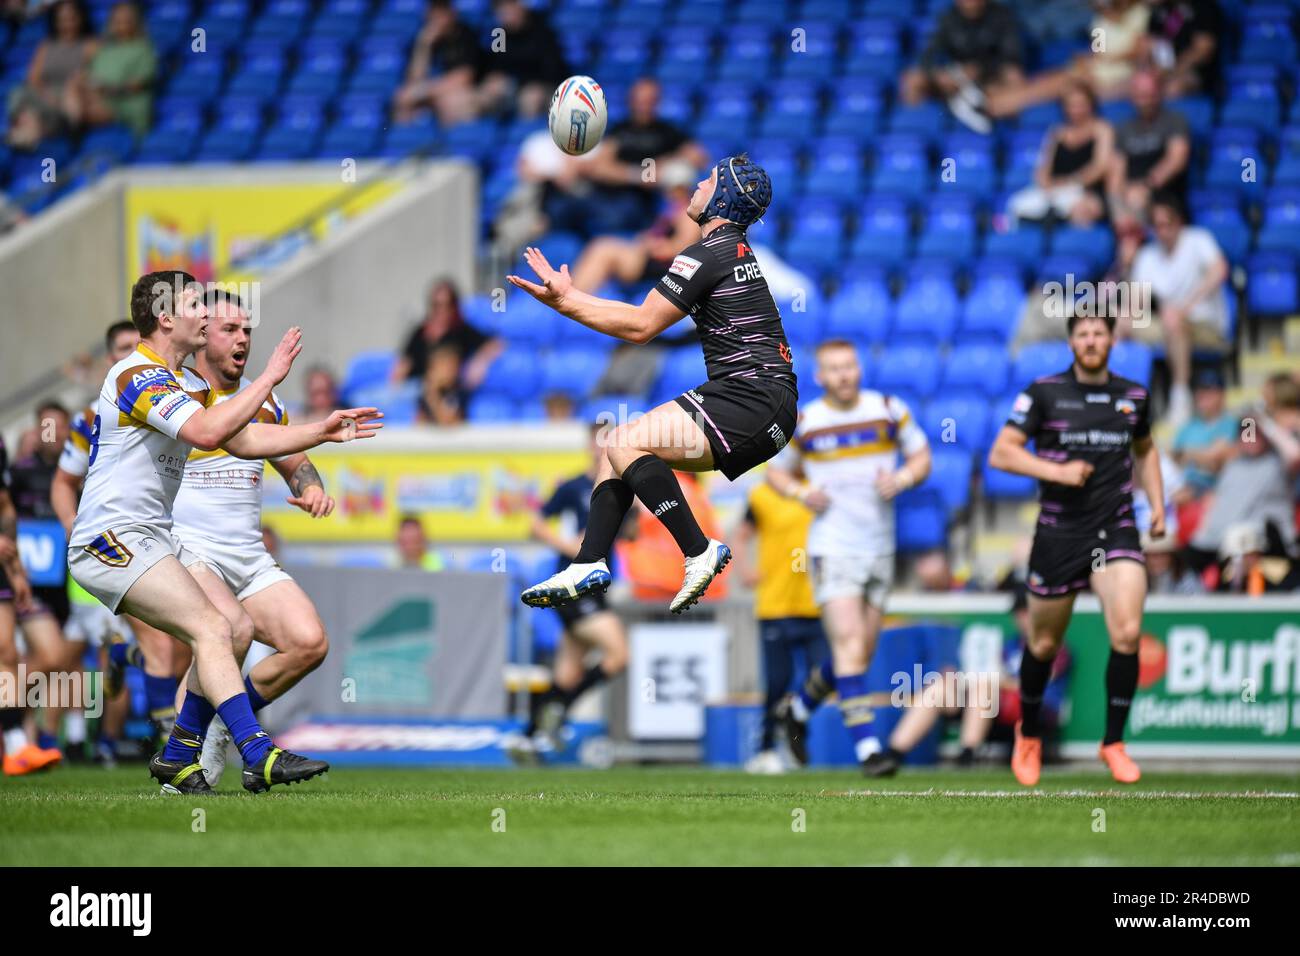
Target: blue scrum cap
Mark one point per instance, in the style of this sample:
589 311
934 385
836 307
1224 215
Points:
742 194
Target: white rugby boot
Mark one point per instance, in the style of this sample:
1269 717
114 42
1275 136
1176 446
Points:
213 756
700 572
568 585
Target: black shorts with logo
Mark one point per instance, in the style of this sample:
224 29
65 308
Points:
747 421
1060 564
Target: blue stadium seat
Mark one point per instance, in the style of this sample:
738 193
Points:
1025 245
977 366
572 372
836 170
973 168
950 474
1039 359
949 230
1132 360
749 52
884 228
902 166
1280 231
817 59
367 370
993 308
927 311
116 143
523 321
921 521
856 106
956 419
862 310
1271 289
908 369
683 368
792 109
490 409
512 374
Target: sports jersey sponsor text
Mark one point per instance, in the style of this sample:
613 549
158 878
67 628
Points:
685 266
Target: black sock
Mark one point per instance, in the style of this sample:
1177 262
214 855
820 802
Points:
654 483
590 679
1034 675
609 503
1121 684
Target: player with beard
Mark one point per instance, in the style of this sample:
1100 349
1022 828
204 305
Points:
739 418
218 517
1088 426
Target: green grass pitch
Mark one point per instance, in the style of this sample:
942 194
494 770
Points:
652 816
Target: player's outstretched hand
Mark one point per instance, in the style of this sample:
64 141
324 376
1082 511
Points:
348 424
1074 474
314 501
555 285
281 359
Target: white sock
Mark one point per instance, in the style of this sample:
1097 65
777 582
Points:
15 740
74 726
799 709
867 746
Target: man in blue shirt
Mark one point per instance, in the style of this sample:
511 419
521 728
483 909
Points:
1203 444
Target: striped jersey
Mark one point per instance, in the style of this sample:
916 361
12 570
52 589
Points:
220 499
717 281
843 452
136 458
75 457
1068 420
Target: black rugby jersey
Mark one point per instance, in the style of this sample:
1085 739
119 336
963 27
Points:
717 281
1069 420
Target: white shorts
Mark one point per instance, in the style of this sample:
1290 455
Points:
109 565
245 571
95 624
853 575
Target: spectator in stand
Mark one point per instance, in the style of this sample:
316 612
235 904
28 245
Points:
1105 72
1183 45
973 55
117 87
443 72
413 550
443 324
528 67
1256 487
1204 444
1166 572
627 186
1185 271
558 407
322 395
1070 179
647 255
1152 151
42 106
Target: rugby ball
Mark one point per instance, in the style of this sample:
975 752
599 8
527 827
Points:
578 115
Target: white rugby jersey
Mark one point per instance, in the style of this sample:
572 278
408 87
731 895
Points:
135 459
843 453
221 495
75 457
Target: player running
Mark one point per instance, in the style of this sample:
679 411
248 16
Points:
1087 425
218 517
739 418
588 621
160 658
843 464
152 411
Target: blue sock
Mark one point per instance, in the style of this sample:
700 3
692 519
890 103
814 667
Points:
196 714
255 700
859 715
117 653
248 735
160 695
46 740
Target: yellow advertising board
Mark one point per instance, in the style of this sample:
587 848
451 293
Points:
203 227
460 496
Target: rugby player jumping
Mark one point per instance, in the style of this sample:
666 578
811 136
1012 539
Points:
742 416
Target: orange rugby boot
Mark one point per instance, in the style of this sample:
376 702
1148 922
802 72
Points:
1027 759
1121 765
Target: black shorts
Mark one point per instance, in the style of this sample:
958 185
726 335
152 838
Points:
6 589
585 606
1061 564
747 421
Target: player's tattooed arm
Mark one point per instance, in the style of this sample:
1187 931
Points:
306 485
